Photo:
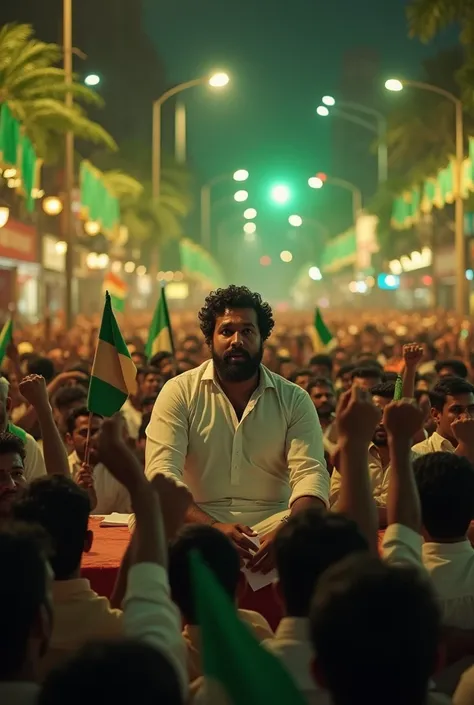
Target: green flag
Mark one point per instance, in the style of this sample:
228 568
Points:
398 389
113 375
322 336
6 337
235 666
160 338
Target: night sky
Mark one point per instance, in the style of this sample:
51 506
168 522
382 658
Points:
282 57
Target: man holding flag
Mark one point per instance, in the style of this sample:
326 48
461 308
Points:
247 443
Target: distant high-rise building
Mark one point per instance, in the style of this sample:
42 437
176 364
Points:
355 157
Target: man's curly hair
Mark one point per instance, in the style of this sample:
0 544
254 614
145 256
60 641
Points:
234 297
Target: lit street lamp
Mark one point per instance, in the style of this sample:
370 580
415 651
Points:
92 79
295 220
280 193
239 175
241 196
216 80
318 181
250 213
395 85
380 128
4 215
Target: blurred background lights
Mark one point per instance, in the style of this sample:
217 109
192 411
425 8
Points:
241 175
295 220
250 213
286 256
280 193
322 111
328 100
250 228
315 182
315 274
241 196
265 260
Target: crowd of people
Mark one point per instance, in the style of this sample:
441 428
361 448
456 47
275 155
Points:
246 447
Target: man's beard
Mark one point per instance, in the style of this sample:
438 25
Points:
326 414
380 437
237 370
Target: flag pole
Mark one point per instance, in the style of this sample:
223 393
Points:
88 440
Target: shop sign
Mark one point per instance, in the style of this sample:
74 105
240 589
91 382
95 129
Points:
18 242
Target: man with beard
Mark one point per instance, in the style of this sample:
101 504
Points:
379 456
246 442
323 396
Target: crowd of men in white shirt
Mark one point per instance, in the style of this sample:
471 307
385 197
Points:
377 589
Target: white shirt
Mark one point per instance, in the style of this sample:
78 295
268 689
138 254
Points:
247 470
34 461
150 616
133 419
450 565
434 444
292 646
111 495
378 476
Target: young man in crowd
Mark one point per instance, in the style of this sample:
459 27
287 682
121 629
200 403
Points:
111 496
149 385
301 377
12 472
62 508
321 366
222 559
451 368
26 614
344 378
452 408
33 463
247 443
323 396
64 402
375 631
367 377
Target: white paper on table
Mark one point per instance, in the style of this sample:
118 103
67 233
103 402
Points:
257 581
115 519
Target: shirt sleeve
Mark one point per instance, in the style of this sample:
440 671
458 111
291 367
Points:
402 545
167 433
305 452
150 616
34 461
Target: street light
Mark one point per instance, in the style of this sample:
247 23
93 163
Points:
286 256
92 227
92 80
280 193
395 85
320 179
241 196
216 80
250 213
379 128
295 220
250 228
314 273
239 175
52 205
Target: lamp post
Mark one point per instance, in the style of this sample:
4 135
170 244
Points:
68 164
239 175
319 180
217 80
394 84
380 127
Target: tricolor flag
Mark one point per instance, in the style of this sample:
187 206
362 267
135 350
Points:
118 291
6 337
398 389
236 668
113 375
322 336
160 338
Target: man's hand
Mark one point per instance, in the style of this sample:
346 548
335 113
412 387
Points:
463 430
357 416
264 560
412 355
403 419
85 480
33 389
175 501
117 456
238 533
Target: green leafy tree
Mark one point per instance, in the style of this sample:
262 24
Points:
34 87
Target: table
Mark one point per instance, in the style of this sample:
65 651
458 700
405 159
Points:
101 565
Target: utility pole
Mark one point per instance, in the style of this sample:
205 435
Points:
68 166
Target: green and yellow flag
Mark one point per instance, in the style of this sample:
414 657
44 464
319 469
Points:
6 337
118 291
160 338
322 337
236 668
113 375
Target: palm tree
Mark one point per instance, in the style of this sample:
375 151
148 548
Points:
149 222
426 18
34 87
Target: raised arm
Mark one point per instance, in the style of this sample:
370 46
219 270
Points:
357 417
412 355
33 389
